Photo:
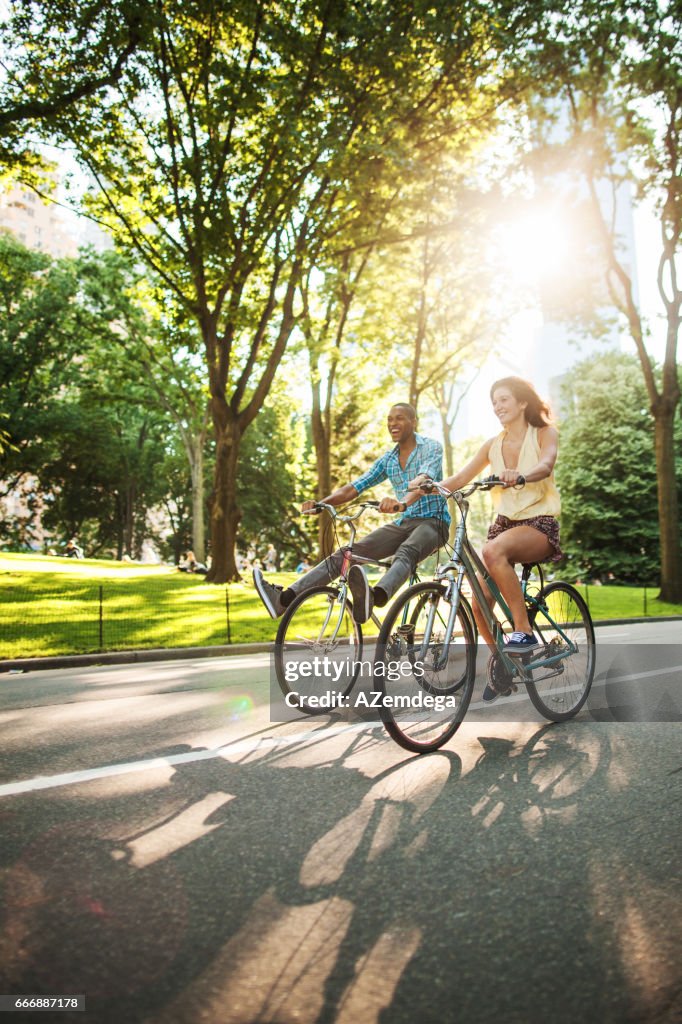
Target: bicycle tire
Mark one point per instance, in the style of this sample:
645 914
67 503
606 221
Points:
560 695
306 632
413 722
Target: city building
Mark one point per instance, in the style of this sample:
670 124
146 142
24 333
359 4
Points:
36 222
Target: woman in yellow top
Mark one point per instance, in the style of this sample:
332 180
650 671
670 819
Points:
526 528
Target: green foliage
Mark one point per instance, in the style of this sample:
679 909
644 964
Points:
83 437
607 474
61 53
240 140
274 478
100 477
39 324
613 73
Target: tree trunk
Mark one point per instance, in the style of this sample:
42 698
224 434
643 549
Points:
420 335
225 514
447 444
668 509
449 457
119 526
318 419
663 403
195 451
130 519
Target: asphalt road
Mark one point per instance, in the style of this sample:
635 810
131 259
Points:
174 856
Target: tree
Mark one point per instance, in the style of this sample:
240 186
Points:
607 472
152 358
101 475
83 435
40 321
86 46
340 354
274 477
232 140
618 69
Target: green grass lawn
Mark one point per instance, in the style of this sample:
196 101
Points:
52 606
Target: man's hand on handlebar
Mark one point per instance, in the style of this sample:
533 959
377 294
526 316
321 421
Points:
310 508
389 506
420 483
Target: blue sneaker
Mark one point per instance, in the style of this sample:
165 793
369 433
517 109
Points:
521 643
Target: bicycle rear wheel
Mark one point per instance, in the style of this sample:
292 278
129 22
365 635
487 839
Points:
425 688
318 650
562 621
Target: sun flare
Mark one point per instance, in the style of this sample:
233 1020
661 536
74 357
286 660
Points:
537 245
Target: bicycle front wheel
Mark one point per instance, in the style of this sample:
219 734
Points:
425 684
318 650
564 625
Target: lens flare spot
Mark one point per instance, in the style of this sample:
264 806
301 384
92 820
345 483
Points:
239 706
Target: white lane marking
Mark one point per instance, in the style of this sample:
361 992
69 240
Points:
238 747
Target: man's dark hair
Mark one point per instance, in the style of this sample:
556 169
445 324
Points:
410 409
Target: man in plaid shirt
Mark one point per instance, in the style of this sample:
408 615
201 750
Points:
421 527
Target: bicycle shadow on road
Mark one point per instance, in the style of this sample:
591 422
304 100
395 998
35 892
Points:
288 884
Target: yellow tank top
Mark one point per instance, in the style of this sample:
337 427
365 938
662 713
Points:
535 499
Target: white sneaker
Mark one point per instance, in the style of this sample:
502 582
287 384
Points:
269 593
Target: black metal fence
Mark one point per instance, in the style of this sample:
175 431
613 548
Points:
74 617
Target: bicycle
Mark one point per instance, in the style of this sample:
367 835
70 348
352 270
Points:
318 647
423 705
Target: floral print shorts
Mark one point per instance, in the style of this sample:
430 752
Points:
545 524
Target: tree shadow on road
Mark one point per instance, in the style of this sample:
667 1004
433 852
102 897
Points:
287 884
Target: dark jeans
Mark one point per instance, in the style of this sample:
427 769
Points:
409 542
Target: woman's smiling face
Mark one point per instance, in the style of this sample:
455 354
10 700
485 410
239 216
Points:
506 407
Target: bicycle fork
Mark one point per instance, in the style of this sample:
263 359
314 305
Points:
452 596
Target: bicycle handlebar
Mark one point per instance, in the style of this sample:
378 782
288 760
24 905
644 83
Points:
478 485
321 506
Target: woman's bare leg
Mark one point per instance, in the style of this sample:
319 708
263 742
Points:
481 620
519 544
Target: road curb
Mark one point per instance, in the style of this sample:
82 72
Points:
130 657
222 651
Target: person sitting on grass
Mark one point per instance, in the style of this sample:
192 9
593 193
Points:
421 527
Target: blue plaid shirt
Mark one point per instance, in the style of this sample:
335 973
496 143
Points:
427 457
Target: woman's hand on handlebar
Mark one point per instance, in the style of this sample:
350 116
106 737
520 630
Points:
511 478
